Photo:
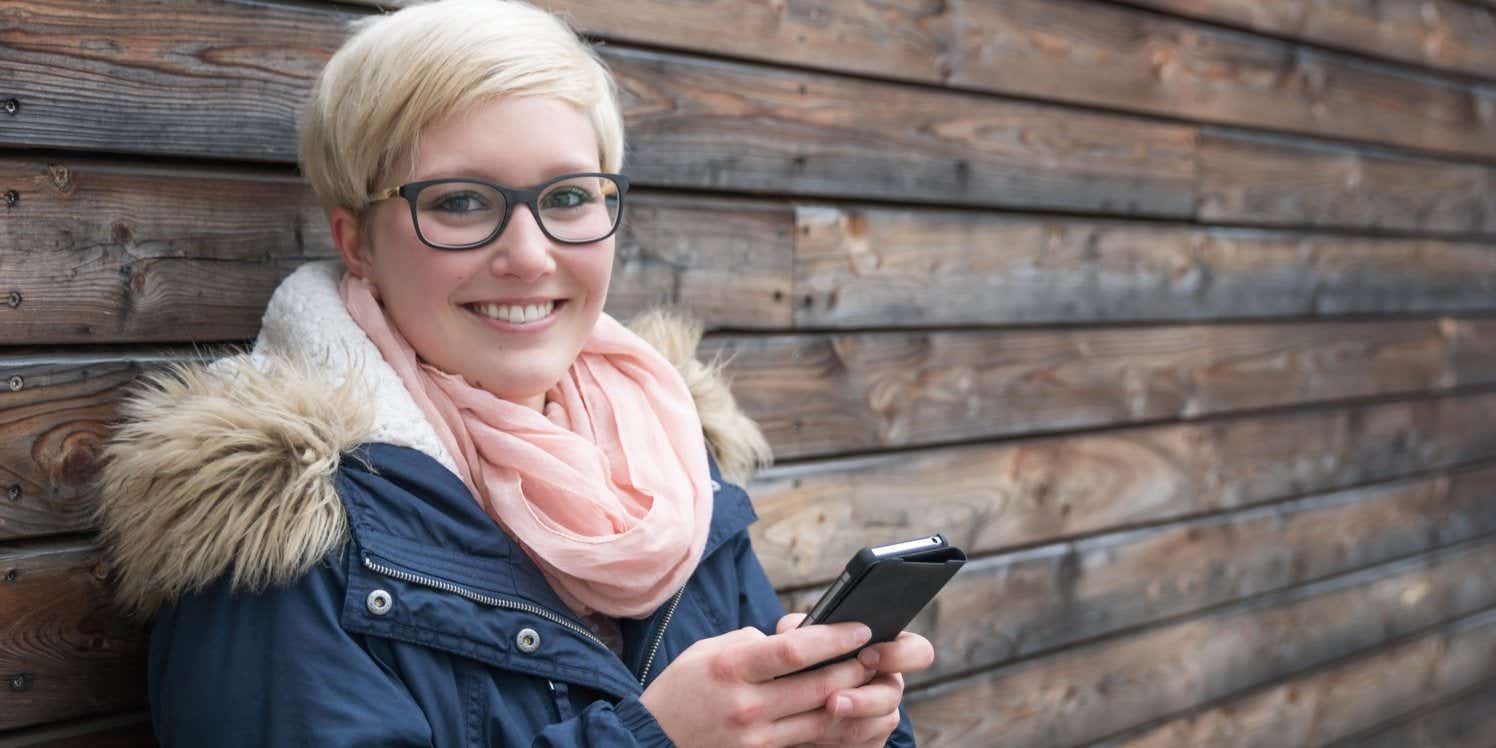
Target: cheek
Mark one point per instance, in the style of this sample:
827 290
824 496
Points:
594 271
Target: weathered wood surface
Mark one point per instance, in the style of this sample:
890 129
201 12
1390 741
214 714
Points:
1446 35
830 394
1090 691
815 515
129 731
1013 605
103 253
693 123
1274 181
826 395
64 650
1095 53
1339 701
1467 721
107 253
907 268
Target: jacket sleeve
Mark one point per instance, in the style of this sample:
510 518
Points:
627 723
274 669
759 607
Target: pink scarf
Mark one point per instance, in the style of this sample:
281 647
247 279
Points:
608 491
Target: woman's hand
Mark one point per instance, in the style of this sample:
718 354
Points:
723 691
866 715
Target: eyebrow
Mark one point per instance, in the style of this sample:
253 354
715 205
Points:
470 172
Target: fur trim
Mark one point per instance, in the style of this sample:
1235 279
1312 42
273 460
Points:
734 439
227 468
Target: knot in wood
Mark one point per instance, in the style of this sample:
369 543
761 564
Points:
20 682
16 383
13 492
12 106
13 299
12 198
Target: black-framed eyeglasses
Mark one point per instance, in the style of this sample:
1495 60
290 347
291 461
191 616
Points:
464 213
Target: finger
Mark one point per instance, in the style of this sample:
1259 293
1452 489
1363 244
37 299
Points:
879 697
797 649
811 690
808 727
789 621
908 653
873 731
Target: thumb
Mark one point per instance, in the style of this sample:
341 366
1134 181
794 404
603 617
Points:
788 622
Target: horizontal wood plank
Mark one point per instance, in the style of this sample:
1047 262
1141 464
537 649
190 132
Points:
128 731
104 253
1014 605
1284 182
1090 691
1336 703
987 498
64 649
906 268
1467 721
1099 54
1448 35
829 394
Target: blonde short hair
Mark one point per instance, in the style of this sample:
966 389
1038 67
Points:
404 72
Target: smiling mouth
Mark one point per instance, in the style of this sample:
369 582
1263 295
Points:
517 314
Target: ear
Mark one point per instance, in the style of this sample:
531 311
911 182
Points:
348 235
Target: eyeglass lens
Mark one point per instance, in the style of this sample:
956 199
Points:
579 209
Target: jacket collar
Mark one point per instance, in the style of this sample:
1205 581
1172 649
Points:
229 468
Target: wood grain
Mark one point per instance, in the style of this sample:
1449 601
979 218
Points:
1338 702
1088 52
1467 721
102 252
829 394
1276 181
989 498
1447 35
129 731
1090 691
1098 54
64 651
907 268
1019 604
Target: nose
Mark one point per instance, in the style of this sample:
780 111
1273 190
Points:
523 251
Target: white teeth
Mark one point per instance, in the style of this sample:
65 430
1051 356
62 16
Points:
515 313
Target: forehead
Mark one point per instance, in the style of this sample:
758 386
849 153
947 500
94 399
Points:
511 140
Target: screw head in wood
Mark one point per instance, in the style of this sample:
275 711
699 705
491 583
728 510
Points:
13 300
11 575
20 682
11 106
13 492
16 383
12 198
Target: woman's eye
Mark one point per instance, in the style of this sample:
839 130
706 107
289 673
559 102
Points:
569 197
460 202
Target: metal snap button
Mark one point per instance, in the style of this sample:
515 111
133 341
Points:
716 486
380 602
528 640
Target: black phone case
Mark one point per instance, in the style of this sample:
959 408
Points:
903 585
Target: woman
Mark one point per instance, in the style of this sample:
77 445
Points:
445 500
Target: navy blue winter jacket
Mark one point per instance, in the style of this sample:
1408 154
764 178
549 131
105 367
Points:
319 575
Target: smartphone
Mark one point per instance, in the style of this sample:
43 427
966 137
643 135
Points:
886 586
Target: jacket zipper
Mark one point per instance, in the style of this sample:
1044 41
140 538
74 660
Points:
489 600
660 635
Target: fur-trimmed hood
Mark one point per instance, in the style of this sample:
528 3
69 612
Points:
227 467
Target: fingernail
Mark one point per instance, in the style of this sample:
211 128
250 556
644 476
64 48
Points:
869 658
842 706
864 633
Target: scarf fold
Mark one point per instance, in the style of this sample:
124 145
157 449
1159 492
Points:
607 491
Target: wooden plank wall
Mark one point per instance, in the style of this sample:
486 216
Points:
1177 315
